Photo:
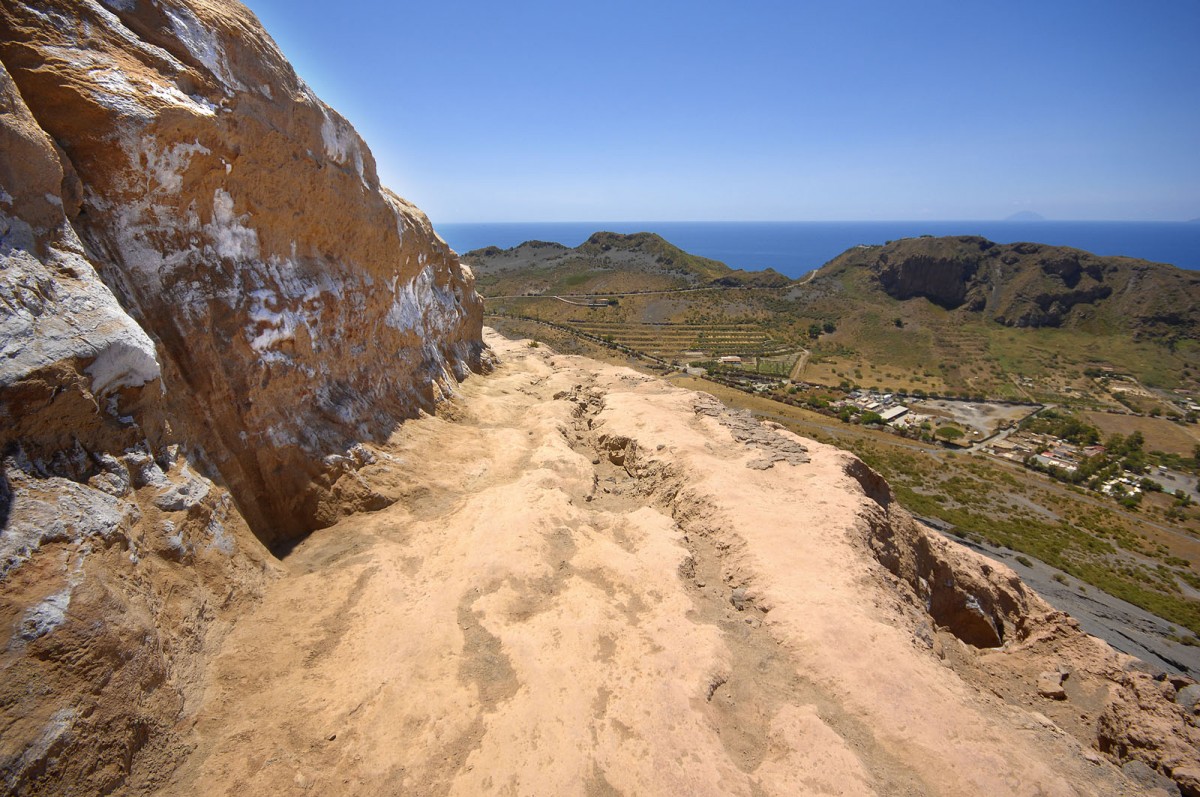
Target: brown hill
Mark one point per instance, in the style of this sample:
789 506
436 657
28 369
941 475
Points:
607 262
1033 285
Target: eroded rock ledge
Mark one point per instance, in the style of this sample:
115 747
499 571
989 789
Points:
599 594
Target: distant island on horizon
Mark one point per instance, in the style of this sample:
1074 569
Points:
1025 215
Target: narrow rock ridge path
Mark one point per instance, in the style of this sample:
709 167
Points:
594 583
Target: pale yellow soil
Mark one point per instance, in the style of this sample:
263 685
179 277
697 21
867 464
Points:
528 618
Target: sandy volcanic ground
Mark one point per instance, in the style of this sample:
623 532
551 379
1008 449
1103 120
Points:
528 618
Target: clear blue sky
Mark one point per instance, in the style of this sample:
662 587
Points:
542 111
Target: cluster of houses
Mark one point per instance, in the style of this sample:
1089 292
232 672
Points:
1188 405
1047 450
886 405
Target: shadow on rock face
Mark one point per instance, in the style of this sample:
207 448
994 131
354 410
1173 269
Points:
5 498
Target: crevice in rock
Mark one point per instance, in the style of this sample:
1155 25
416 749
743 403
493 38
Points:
763 676
972 600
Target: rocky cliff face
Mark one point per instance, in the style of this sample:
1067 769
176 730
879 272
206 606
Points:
942 272
297 307
207 303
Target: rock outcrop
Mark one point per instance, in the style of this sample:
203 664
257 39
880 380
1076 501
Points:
1033 285
297 307
207 304
943 271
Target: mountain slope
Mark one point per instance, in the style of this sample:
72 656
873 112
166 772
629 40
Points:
1033 285
607 262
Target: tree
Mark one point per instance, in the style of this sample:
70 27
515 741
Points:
868 418
814 331
828 326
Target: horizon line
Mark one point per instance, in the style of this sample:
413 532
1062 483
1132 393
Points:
828 221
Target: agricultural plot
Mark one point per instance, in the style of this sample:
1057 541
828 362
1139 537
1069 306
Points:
671 340
1160 434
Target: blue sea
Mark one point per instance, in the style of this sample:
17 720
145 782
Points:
796 247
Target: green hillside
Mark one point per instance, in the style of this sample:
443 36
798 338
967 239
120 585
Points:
956 315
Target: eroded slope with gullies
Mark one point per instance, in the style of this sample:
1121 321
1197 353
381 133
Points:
615 586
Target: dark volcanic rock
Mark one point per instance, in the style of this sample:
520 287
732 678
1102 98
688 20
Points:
940 280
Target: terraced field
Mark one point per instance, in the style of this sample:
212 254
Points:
672 340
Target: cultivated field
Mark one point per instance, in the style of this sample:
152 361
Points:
1160 434
671 340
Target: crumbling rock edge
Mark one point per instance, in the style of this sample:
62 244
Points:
1147 720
